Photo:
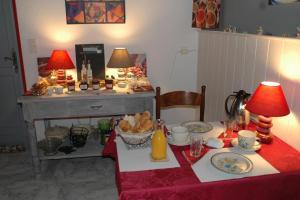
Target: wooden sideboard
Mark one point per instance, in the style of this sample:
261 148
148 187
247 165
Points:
79 105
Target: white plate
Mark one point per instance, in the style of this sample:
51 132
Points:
235 143
197 126
172 142
232 163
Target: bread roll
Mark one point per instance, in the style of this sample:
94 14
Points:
147 126
136 128
146 114
137 117
124 125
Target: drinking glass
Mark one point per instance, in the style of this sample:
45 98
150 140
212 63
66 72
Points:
228 128
196 145
104 128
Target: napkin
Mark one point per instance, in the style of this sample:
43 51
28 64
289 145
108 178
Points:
215 143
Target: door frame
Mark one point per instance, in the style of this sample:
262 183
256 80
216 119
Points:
19 50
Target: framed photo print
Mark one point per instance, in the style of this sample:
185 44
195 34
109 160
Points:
95 11
42 66
140 65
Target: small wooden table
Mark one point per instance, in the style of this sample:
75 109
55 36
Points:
79 105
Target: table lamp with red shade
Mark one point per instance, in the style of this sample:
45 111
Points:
58 63
267 101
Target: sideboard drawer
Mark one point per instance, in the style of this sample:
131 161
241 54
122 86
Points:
87 107
96 107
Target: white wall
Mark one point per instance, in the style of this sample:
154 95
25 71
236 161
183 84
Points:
158 28
230 62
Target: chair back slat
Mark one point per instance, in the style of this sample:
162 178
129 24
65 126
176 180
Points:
179 99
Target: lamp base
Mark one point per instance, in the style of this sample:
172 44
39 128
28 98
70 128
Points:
263 128
265 139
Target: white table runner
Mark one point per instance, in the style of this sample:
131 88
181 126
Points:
139 159
206 172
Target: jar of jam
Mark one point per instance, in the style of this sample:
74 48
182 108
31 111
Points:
109 84
95 84
71 85
83 85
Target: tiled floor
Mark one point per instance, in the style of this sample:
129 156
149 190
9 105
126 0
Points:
68 179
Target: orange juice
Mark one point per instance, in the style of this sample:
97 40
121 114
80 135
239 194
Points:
159 143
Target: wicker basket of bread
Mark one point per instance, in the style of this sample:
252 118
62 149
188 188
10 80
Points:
136 130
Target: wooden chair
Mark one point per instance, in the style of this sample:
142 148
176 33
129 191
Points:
179 99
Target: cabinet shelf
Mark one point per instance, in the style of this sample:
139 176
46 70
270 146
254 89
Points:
92 148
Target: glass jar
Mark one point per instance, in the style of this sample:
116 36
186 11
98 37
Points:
95 84
71 85
109 84
83 85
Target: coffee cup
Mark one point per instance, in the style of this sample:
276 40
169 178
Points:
179 134
246 139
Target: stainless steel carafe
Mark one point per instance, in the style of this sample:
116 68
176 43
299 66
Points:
235 108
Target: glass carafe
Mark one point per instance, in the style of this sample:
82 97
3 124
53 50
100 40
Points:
159 142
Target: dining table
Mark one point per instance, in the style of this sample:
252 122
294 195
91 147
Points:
182 183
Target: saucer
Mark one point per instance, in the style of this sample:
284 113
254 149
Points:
172 142
256 146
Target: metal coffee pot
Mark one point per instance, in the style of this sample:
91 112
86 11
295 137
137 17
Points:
235 108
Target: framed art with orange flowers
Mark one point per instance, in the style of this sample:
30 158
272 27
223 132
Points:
206 14
95 11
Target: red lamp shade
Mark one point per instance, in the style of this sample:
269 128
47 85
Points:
268 100
60 59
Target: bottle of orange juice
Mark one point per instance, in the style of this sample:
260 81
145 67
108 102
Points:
159 142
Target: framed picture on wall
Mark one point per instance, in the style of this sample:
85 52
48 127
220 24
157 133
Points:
276 2
42 65
95 11
206 14
92 54
140 65
75 12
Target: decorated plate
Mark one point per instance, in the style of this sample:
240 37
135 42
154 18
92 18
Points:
232 163
197 126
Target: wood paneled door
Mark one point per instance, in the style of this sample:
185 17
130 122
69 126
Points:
11 121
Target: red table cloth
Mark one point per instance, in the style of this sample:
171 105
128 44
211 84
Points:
182 183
